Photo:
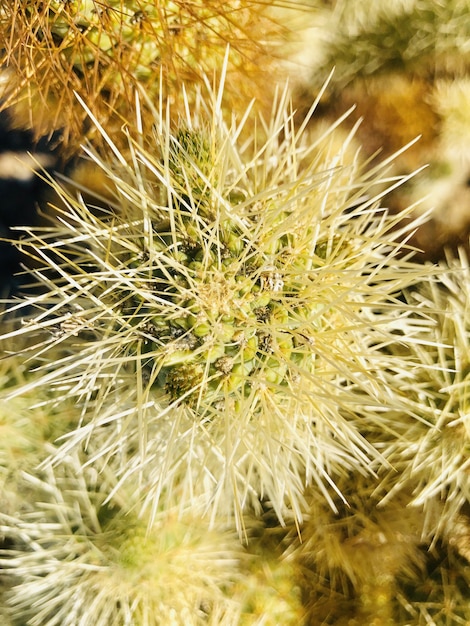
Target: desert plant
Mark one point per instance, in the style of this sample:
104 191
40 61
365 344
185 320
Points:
415 37
398 552
405 65
102 50
432 454
224 328
379 562
74 557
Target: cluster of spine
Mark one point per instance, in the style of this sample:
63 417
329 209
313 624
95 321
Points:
80 558
438 467
104 51
417 37
219 310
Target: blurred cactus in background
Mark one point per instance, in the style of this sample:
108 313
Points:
405 65
231 394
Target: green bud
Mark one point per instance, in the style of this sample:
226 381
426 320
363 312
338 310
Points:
201 329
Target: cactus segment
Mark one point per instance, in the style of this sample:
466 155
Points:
230 313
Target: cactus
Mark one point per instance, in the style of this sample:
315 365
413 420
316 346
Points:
379 563
439 462
404 66
399 551
414 37
105 50
226 322
81 559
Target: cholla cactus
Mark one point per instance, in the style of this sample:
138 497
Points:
380 563
350 563
102 50
432 454
234 334
27 424
399 552
404 63
75 559
415 36
224 329
386 58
